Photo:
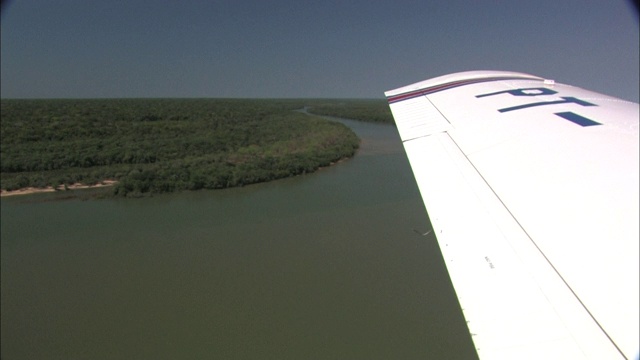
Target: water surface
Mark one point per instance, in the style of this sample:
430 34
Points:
320 266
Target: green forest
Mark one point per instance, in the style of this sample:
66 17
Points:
164 145
357 109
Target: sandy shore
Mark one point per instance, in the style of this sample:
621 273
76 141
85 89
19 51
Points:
76 186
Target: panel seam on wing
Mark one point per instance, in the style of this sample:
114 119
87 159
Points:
546 259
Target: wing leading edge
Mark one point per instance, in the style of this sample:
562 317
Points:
532 190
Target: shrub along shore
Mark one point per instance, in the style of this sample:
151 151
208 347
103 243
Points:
146 146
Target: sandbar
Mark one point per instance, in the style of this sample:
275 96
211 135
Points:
76 186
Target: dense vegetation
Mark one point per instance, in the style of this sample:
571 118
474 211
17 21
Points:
364 110
163 145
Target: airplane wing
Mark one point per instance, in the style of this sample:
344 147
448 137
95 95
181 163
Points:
532 190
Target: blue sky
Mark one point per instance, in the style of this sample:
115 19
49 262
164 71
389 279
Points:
298 48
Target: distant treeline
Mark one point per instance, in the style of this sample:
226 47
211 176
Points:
363 110
164 145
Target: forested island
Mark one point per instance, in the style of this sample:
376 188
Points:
146 146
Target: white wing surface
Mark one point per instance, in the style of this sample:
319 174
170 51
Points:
532 190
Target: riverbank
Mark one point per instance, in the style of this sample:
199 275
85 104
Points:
76 186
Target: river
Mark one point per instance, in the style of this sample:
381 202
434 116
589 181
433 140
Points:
321 266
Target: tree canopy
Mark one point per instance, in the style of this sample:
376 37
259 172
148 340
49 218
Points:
163 145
